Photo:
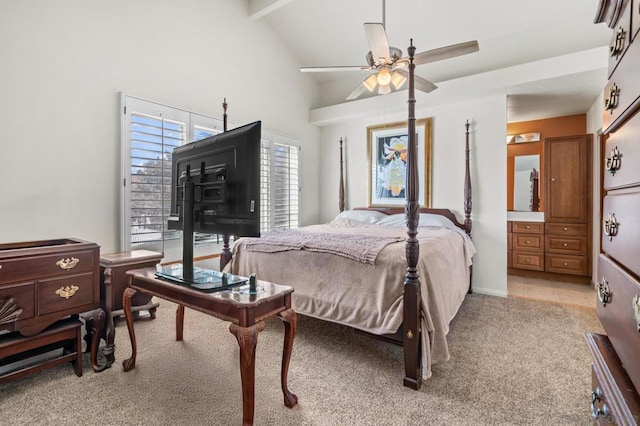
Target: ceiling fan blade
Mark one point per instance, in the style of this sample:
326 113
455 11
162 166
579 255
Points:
336 68
420 83
446 52
377 39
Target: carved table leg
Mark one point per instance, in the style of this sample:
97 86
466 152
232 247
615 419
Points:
290 321
110 329
94 324
179 322
129 363
247 340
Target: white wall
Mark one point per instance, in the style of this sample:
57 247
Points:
62 67
488 169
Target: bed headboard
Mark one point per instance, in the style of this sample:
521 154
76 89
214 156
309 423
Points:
400 210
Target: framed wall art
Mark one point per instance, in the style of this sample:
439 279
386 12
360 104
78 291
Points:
387 163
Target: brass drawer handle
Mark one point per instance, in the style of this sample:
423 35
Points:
618 45
68 263
612 163
67 292
611 102
636 310
611 226
604 295
597 412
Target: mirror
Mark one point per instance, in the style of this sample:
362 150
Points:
526 178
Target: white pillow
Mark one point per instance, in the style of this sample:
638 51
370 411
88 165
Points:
364 216
426 219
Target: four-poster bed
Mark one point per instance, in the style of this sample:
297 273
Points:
408 294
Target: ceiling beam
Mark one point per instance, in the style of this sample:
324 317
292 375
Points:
260 8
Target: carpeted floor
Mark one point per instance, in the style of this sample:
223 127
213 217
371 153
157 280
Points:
513 362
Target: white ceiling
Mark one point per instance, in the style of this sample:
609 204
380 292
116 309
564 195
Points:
510 33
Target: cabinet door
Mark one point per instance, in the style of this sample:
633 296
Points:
568 176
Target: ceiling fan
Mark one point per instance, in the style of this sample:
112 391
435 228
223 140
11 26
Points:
388 63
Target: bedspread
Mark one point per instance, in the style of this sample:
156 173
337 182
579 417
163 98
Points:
369 296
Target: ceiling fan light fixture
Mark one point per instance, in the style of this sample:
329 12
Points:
371 82
397 79
384 77
383 90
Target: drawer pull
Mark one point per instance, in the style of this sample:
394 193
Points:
527 242
527 227
67 292
597 412
618 45
612 163
9 311
68 263
596 395
527 260
565 228
611 102
604 295
636 310
611 226
564 264
564 244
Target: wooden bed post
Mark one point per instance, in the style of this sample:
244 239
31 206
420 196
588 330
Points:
341 194
468 202
225 256
411 313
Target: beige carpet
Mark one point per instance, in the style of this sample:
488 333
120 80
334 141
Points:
514 362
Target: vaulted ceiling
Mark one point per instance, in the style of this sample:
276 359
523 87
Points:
547 55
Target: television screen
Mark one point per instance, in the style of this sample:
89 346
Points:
225 172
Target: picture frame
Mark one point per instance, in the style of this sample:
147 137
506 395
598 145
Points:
386 159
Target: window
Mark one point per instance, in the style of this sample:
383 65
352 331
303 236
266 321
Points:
150 131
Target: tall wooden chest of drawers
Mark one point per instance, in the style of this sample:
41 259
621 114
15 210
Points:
616 357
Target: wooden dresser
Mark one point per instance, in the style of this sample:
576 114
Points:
42 282
616 356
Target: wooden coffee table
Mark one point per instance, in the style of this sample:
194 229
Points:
246 312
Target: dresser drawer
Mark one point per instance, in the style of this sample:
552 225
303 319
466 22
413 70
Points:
572 229
32 268
528 227
613 398
621 221
59 294
524 260
566 264
23 295
565 245
622 155
619 312
528 242
620 39
622 90
509 241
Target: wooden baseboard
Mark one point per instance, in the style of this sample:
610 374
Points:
553 276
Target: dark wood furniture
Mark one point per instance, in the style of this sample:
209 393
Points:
615 357
66 333
113 281
43 282
409 334
246 312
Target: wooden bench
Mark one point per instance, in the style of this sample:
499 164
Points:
65 334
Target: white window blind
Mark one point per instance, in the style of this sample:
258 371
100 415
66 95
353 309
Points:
152 141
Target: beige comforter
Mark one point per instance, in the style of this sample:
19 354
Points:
366 296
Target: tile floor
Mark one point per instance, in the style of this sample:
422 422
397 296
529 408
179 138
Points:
553 291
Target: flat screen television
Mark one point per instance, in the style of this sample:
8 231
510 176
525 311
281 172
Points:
225 172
